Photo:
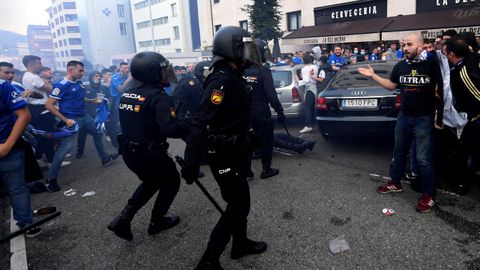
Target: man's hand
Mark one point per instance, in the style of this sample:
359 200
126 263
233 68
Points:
281 117
27 93
367 72
437 126
4 150
69 122
190 174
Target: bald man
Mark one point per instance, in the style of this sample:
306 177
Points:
420 83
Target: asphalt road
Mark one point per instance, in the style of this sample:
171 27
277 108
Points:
317 197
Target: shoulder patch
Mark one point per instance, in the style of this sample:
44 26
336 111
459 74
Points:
56 91
191 82
217 97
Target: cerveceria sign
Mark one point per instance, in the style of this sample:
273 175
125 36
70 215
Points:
351 12
435 5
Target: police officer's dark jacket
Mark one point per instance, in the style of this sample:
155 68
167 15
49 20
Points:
264 92
188 94
224 110
147 115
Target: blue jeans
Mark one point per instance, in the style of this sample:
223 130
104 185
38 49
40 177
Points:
12 173
67 143
420 129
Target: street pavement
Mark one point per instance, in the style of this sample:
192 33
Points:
317 197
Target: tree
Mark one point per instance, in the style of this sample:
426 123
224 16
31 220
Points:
265 17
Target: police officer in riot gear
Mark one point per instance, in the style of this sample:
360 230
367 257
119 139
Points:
263 94
223 125
147 119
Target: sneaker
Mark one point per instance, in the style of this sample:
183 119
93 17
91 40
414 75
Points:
68 155
389 187
43 164
425 204
269 173
306 130
411 176
109 159
64 164
33 232
52 185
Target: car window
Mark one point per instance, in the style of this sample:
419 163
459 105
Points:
351 78
281 78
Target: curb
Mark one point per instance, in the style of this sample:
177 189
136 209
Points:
18 260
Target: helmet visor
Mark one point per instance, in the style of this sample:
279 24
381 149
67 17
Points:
250 53
168 74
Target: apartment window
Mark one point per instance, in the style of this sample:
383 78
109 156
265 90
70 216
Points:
174 9
162 20
54 35
294 20
217 27
65 42
153 2
52 25
61 19
176 32
123 28
62 53
216 1
71 17
56 21
73 29
58 32
63 30
55 10
76 53
147 43
142 4
64 64
244 25
60 43
50 15
66 54
162 42
55 44
121 11
59 7
144 24
69 5
74 41
178 50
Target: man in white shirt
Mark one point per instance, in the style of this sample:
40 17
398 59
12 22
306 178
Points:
41 118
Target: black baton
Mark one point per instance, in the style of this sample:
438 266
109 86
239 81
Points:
181 162
285 127
28 227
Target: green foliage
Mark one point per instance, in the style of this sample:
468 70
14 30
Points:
265 17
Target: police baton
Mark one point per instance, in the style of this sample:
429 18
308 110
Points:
29 227
285 127
181 162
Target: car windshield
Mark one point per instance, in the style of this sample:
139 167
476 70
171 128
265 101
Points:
281 78
351 78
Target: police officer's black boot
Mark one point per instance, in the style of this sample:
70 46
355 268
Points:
159 224
245 247
209 262
268 172
121 224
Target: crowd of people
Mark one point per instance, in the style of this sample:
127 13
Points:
440 114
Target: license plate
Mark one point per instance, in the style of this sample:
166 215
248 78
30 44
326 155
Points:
359 103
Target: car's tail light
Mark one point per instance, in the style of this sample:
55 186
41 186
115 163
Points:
295 95
398 102
321 103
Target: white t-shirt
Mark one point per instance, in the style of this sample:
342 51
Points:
32 81
307 73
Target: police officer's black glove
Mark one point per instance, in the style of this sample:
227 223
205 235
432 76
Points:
190 174
281 117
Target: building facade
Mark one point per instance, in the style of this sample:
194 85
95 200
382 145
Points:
40 44
336 21
90 30
166 26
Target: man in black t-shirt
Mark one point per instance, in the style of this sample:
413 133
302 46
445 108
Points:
420 83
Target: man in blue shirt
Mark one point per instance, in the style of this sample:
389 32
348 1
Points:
336 60
70 96
374 56
14 117
118 84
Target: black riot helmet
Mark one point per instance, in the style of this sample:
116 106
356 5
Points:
151 67
233 43
201 70
263 49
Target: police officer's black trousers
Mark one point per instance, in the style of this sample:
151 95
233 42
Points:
157 173
263 126
230 170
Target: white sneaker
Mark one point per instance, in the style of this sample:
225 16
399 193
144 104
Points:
306 129
42 164
64 163
107 138
68 155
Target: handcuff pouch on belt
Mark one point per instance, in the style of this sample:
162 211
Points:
152 148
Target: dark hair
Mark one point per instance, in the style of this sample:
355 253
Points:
307 59
123 64
428 41
105 70
323 59
6 64
45 69
457 46
74 63
337 45
450 32
470 39
28 59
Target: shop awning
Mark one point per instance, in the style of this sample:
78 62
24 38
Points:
347 32
432 24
